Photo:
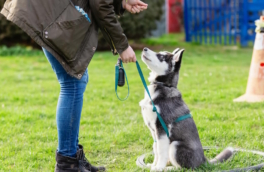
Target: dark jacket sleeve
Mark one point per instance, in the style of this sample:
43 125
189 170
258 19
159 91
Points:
119 10
104 15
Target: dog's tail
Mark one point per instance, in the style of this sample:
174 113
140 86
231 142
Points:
223 156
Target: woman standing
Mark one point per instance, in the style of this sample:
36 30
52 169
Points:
67 31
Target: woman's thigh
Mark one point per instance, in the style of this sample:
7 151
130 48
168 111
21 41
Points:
62 76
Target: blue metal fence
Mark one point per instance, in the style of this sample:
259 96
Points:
221 21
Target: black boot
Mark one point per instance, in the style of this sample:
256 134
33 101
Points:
69 164
88 166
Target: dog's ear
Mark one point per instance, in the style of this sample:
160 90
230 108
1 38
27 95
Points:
178 54
176 50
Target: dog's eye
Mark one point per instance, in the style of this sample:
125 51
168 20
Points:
160 57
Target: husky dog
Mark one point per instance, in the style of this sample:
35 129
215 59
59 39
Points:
183 147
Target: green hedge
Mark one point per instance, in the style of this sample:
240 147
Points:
10 34
140 25
135 26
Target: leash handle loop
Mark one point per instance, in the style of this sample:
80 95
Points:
116 81
154 107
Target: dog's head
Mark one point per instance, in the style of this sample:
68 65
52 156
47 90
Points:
162 63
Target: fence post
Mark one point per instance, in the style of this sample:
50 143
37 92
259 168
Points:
244 24
186 22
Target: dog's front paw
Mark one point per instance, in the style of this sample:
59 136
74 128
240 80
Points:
156 169
149 164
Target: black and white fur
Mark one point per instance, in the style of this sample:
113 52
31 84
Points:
183 148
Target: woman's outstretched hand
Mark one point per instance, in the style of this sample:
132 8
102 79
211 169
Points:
128 55
134 6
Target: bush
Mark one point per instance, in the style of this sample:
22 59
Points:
10 34
135 26
140 25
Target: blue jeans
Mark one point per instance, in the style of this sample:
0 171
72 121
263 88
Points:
69 107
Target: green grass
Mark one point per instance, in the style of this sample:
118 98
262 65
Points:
19 51
113 132
177 39
167 40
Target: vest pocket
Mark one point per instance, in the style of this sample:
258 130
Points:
67 33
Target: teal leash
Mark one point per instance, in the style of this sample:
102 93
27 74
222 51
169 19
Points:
181 118
154 107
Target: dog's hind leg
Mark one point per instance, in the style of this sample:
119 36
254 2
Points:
172 154
163 144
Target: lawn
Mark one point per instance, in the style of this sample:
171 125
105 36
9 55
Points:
113 132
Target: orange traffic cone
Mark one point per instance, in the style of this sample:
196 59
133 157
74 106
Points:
255 85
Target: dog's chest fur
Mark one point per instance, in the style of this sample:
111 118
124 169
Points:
149 116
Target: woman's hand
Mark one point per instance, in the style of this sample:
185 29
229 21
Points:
128 55
134 6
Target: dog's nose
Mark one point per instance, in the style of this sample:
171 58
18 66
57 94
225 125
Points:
145 49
